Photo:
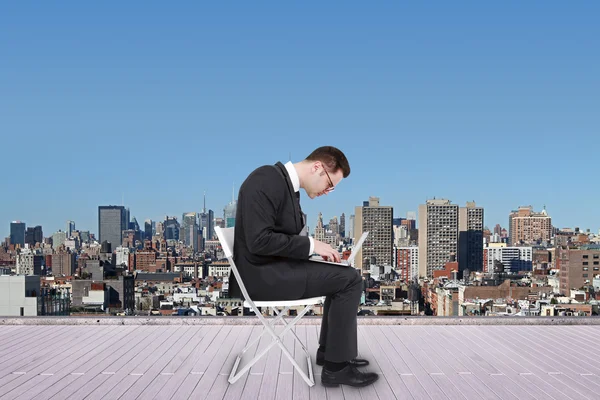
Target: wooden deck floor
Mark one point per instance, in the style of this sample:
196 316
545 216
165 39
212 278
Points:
193 362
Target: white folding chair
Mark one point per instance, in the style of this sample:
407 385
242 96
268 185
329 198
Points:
280 308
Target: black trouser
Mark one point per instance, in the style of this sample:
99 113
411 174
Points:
342 287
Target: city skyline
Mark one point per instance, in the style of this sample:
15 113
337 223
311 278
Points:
311 223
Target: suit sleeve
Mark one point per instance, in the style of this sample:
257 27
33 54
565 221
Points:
259 210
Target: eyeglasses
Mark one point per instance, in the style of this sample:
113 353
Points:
331 188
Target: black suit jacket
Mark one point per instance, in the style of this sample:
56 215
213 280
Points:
268 252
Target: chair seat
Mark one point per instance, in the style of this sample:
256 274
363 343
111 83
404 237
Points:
287 303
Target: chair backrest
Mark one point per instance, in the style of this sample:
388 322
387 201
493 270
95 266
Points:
226 236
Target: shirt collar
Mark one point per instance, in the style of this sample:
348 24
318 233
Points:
291 170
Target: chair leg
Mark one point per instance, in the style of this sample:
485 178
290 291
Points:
276 340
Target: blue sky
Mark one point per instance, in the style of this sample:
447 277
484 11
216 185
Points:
159 102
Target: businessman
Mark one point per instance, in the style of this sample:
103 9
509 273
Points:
273 259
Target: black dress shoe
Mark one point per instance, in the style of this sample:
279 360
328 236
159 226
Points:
357 362
350 376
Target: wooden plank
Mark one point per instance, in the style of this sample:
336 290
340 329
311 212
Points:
216 364
20 355
522 376
115 373
364 351
318 391
248 385
389 385
86 361
493 337
301 389
397 338
207 334
268 386
33 377
92 372
481 370
285 381
407 379
151 381
27 335
221 383
57 371
199 368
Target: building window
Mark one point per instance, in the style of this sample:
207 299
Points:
585 275
585 256
22 311
585 263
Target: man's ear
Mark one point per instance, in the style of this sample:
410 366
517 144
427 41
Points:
315 167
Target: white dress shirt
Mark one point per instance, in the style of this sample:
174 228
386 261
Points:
291 170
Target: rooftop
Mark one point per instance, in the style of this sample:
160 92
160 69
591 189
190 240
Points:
181 358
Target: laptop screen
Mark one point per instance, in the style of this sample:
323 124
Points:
357 246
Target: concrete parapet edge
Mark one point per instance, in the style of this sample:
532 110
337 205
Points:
368 320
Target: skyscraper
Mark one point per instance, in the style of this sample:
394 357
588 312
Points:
229 211
343 225
148 229
350 227
34 235
17 233
171 227
379 245
529 227
470 239
438 235
189 227
70 228
207 222
58 239
112 221
319 229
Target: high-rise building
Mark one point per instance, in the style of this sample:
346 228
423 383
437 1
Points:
350 227
29 263
206 220
64 263
112 221
172 228
334 226
500 258
189 227
17 233
34 235
133 225
438 235
70 228
58 239
529 227
407 262
148 229
343 225
470 238
378 247
578 267
320 229
229 214
230 210
38 234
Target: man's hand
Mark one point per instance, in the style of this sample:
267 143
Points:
324 249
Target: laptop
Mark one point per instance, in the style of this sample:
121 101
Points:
350 260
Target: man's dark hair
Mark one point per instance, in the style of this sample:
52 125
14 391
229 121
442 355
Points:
332 158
